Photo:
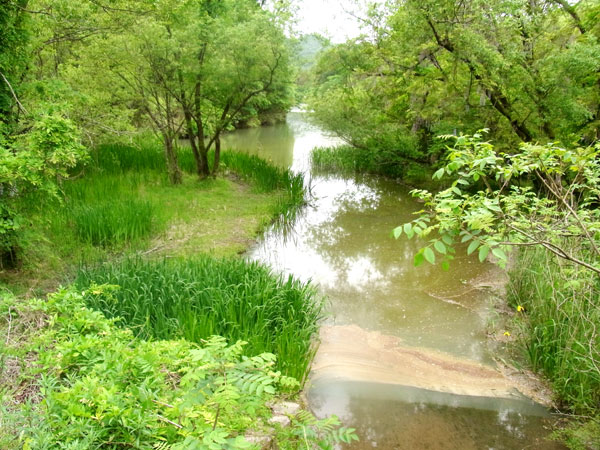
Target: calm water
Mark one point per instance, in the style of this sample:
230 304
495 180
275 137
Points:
342 242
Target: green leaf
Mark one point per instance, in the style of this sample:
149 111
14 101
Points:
397 232
483 252
438 174
429 255
419 259
440 247
472 247
499 253
445 265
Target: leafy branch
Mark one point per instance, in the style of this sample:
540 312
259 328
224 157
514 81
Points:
541 195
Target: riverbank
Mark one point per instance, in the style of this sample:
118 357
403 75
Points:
122 204
125 353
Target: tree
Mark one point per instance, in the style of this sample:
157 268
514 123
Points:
527 70
222 73
38 144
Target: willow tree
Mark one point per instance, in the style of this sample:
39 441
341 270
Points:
232 56
527 70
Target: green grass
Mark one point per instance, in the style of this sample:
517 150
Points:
146 155
560 326
199 297
347 159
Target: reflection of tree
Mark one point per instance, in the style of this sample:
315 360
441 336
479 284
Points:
274 143
356 232
385 422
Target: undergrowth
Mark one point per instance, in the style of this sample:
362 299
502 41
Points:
91 385
559 319
199 297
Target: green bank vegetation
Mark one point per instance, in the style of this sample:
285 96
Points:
112 171
73 378
196 298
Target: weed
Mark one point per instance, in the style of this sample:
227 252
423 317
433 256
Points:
560 314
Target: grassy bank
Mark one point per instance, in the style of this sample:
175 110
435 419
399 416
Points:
70 378
199 297
559 335
122 203
346 159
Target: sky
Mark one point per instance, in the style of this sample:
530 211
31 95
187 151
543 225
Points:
329 18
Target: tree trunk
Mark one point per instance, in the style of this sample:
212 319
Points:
173 169
217 158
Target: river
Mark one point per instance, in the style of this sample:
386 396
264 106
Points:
403 355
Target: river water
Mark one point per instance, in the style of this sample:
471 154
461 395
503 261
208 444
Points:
403 355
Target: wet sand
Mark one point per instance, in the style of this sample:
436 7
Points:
351 353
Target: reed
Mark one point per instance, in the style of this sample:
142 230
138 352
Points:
196 298
105 210
559 325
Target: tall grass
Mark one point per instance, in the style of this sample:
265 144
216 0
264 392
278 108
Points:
104 209
561 325
144 154
112 222
196 298
347 159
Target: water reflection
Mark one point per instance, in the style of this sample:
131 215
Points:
394 417
342 242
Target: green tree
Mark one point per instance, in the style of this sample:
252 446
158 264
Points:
527 70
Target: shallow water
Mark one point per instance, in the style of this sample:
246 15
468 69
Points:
342 242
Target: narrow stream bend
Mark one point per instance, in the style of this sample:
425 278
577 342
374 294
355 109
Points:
403 354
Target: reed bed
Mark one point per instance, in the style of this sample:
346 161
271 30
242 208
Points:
196 298
560 325
105 210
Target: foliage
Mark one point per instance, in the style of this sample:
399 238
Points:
526 70
559 314
204 296
101 387
492 203
34 162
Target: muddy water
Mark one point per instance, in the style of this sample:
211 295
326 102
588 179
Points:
403 356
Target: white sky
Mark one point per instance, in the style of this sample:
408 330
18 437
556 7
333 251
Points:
329 18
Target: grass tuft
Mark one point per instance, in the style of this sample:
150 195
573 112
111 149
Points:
560 321
196 298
